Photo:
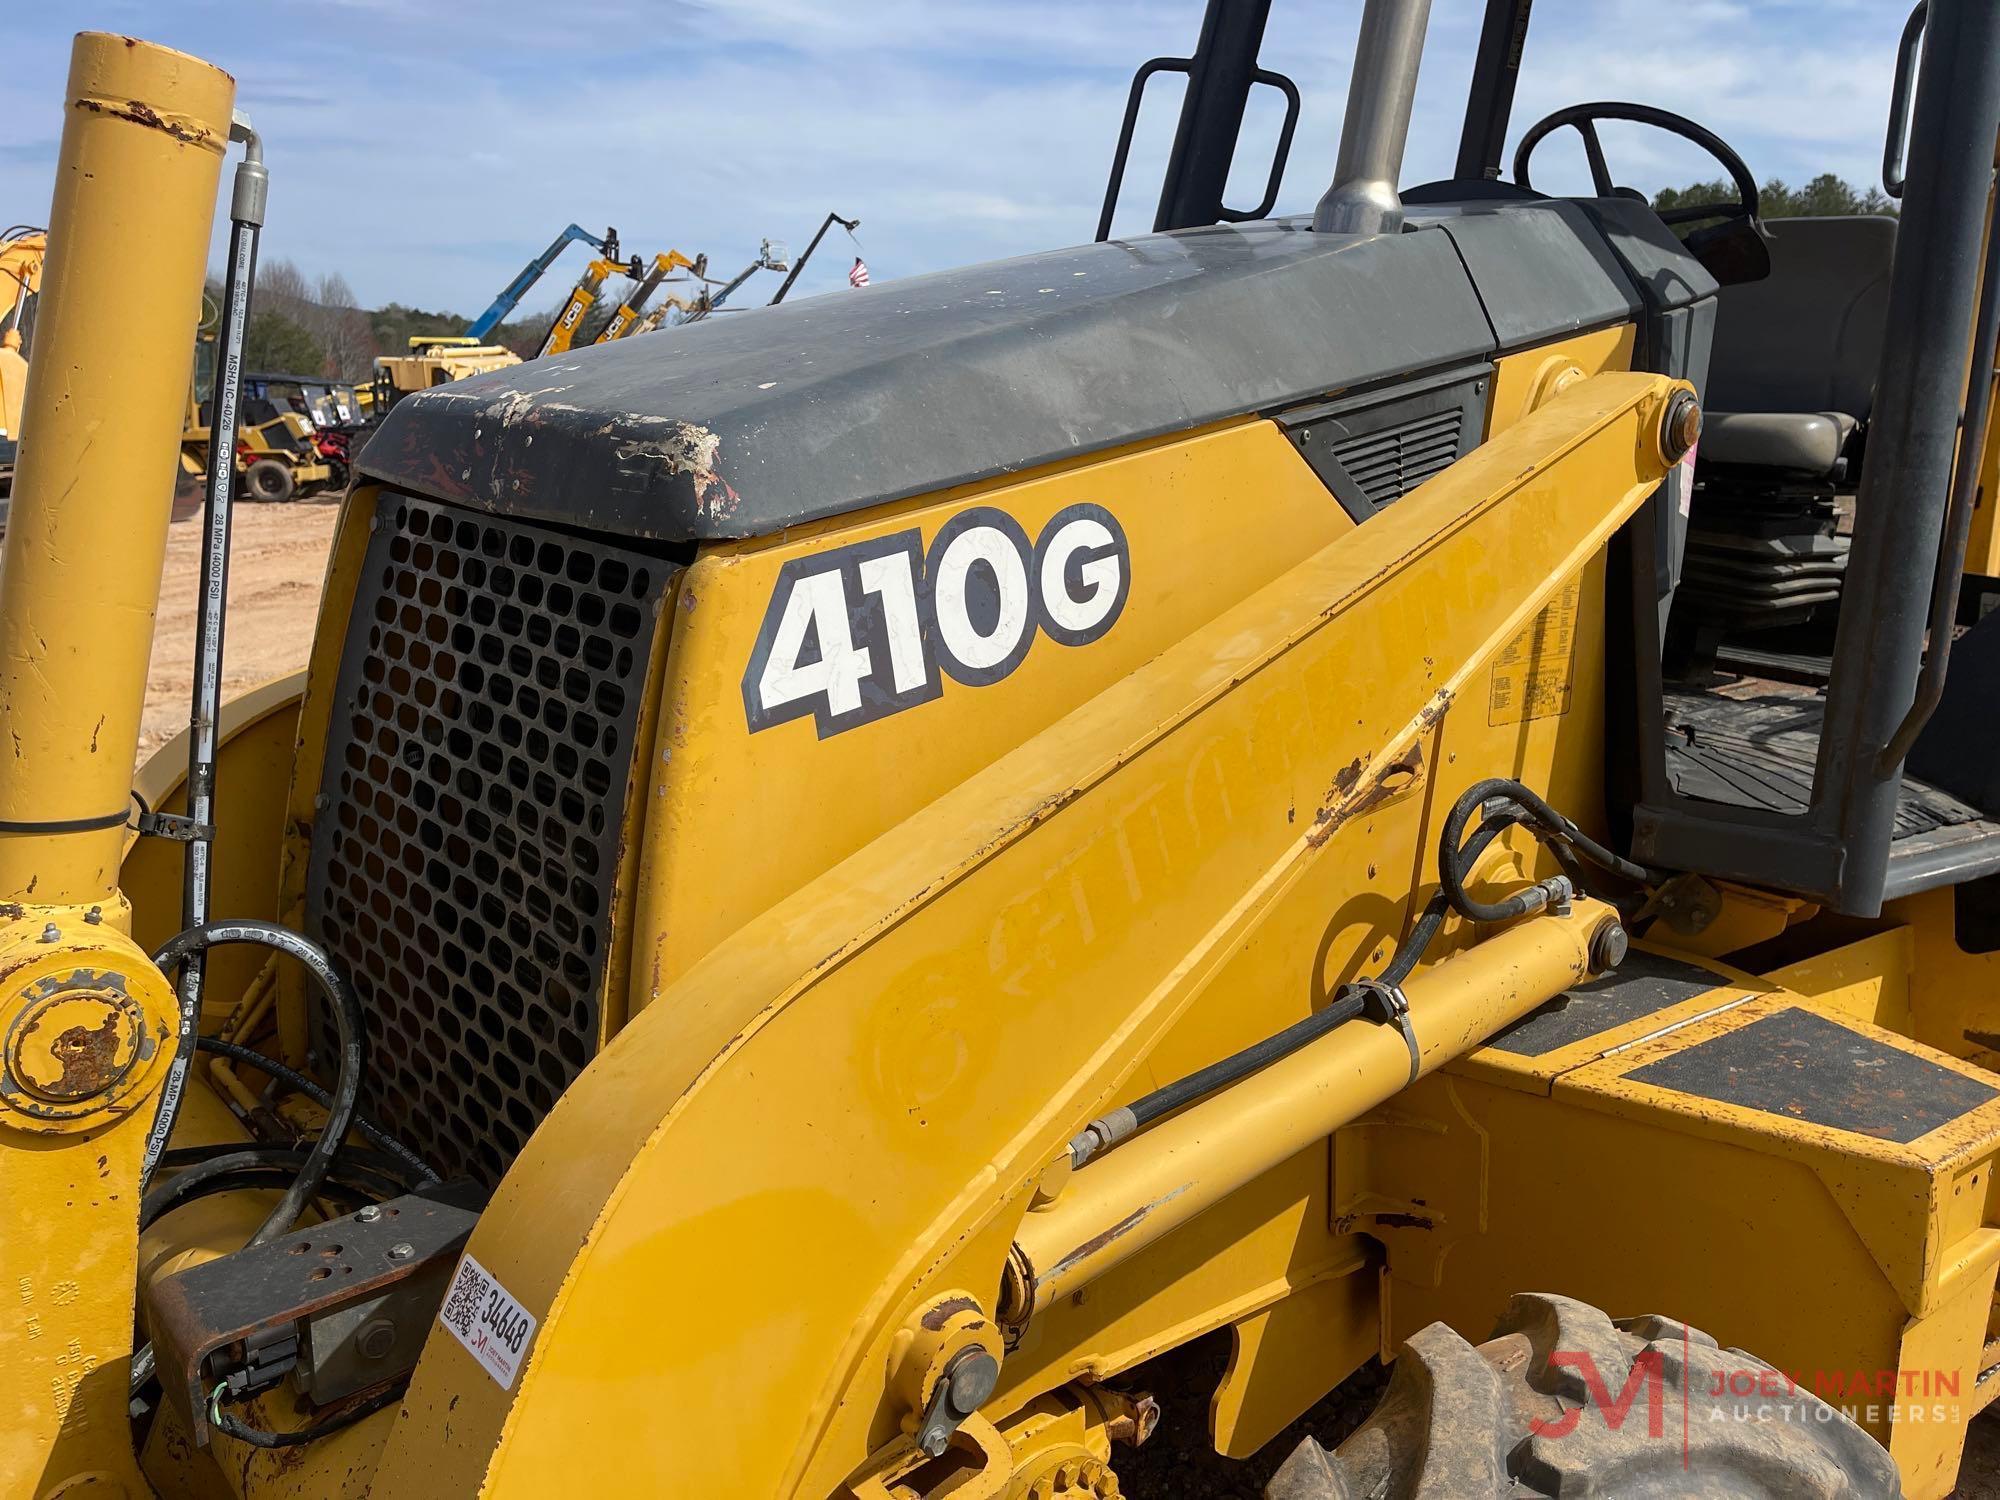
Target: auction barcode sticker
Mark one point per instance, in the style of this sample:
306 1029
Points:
489 1322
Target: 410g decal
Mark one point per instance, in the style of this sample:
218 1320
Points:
863 631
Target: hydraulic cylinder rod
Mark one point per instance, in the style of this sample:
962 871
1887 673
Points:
142 146
1113 1209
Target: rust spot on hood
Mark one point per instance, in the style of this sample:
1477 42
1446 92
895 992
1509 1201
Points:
1356 791
690 450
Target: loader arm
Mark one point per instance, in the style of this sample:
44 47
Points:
841 1111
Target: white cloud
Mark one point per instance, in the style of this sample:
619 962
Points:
425 148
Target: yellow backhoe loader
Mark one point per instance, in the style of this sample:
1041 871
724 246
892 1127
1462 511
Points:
277 451
844 892
433 360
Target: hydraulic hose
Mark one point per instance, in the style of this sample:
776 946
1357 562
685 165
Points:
352 1164
246 213
258 1437
292 1079
1455 862
347 1020
1347 1004
264 1167
1502 804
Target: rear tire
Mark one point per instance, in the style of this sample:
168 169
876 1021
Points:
269 480
1456 1420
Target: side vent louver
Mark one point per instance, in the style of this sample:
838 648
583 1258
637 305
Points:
1373 448
1388 465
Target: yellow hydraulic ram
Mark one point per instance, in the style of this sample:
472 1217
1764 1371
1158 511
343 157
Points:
1115 1208
86 1021
142 147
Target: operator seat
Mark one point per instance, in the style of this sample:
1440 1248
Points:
1790 387
1792 373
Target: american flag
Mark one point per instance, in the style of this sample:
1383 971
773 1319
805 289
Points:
859 275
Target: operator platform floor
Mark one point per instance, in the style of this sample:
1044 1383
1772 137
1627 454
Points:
1754 743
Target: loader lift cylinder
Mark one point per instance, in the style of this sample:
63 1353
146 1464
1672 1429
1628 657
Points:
142 145
1113 1209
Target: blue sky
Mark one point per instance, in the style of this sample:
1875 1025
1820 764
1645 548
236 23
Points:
425 148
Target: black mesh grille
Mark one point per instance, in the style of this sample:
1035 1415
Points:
465 846
1388 464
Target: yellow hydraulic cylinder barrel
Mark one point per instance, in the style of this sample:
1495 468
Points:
144 133
1113 1208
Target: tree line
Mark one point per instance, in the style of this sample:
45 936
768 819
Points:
1826 196
304 325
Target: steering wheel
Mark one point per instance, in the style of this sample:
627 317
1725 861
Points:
1584 118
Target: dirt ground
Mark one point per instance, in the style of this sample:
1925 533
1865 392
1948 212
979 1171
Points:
277 562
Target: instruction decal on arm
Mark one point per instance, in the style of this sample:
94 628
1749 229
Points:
1534 672
481 1315
857 633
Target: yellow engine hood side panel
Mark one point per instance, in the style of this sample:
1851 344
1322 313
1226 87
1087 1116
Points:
1209 519
721 1225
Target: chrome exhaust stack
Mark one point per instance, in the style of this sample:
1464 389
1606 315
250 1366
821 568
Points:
1363 198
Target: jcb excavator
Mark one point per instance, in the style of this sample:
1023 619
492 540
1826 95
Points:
840 886
632 309
569 317
440 359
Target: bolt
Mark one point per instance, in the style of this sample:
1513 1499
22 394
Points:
376 1339
1681 427
52 933
369 1213
1608 946
973 1376
401 1252
94 915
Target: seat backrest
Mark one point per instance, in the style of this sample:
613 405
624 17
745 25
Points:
1808 337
